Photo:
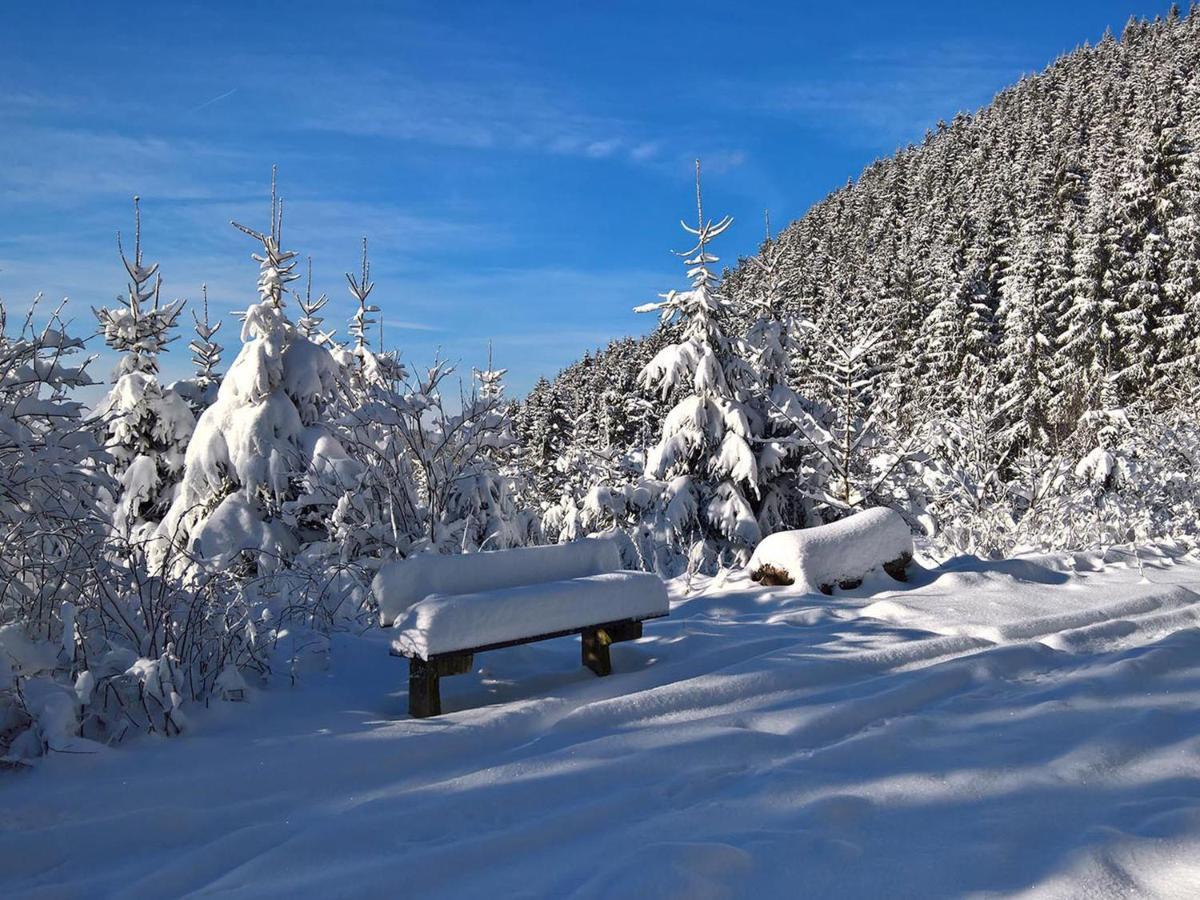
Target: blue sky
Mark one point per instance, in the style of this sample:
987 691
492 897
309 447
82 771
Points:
519 168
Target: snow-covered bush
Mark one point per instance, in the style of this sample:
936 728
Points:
1126 475
434 474
52 526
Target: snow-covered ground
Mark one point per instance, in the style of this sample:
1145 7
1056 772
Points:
1020 727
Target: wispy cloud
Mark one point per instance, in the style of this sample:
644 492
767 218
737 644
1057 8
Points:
476 117
216 99
501 106
406 325
60 165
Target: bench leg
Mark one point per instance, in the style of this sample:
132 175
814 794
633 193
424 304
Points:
424 696
595 651
623 631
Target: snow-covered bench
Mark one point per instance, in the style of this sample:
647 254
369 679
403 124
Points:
840 553
445 609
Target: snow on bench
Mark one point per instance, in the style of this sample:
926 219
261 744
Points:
446 623
445 609
840 553
404 582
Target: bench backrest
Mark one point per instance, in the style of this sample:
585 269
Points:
403 582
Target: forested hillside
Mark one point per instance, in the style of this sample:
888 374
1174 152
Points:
1013 304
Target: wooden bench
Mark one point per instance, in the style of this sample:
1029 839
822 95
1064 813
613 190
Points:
424 688
445 609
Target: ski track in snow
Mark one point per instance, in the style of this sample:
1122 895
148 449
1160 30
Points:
1012 728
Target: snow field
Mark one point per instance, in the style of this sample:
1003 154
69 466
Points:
1021 729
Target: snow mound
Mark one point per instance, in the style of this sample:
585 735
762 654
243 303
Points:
444 624
402 583
844 551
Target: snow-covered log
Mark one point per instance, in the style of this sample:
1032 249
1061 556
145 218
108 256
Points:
402 583
841 553
445 624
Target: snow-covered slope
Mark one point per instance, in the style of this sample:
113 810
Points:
1027 727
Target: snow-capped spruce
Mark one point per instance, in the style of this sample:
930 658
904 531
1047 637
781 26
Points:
309 324
263 470
360 289
200 390
704 449
144 425
774 342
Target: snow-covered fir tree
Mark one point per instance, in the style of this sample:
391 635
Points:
200 390
783 422
703 455
264 469
144 425
309 323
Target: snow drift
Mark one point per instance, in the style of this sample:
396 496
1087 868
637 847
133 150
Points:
840 553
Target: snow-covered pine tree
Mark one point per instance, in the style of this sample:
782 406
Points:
1183 272
777 412
1150 321
360 324
855 459
962 472
957 333
362 365
1175 168
703 453
491 380
544 432
264 470
1065 246
1088 352
201 389
145 426
484 500
310 322
135 330
1031 332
